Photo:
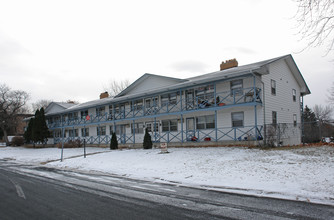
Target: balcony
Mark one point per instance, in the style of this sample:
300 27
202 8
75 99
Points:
246 96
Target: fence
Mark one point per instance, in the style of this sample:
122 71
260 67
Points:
315 131
282 134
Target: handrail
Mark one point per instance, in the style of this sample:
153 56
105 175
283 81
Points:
184 104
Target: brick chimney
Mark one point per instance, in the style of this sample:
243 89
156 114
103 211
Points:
104 95
228 64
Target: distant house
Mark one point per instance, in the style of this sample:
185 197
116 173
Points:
256 102
18 126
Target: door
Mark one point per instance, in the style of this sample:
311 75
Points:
190 99
120 130
153 129
191 129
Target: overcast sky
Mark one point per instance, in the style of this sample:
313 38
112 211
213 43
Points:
63 50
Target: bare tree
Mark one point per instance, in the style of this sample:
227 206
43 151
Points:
331 95
42 103
72 101
12 103
323 113
316 22
115 87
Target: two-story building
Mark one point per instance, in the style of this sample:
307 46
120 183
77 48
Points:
235 104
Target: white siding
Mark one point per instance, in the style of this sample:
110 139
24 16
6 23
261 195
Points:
152 82
54 108
282 102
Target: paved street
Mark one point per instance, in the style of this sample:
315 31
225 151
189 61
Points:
38 192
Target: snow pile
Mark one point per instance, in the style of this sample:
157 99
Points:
303 173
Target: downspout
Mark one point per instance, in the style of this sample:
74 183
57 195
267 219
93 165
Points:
302 117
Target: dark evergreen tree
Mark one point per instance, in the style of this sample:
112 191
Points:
113 142
147 140
311 126
309 115
45 134
36 131
28 133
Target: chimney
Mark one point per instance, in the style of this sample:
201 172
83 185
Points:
104 95
228 64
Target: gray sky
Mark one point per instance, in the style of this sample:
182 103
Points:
62 50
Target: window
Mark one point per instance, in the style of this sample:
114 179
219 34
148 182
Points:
237 119
294 120
84 114
100 111
273 87
110 117
190 99
65 117
120 129
205 93
57 119
205 122
150 126
236 87
294 95
49 120
57 133
73 116
150 105
274 116
73 133
119 111
138 128
169 125
137 105
151 102
101 130
84 132
168 99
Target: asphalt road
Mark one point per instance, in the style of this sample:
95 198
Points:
38 192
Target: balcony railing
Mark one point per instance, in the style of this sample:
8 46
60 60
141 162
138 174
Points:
246 133
226 98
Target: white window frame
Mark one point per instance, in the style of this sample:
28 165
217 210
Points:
294 120
167 125
138 127
294 95
237 87
235 122
101 130
83 133
273 87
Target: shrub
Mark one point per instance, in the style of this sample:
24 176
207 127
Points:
17 141
147 140
113 142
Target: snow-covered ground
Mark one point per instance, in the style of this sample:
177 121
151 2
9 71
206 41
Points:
300 174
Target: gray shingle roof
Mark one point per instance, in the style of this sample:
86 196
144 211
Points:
258 67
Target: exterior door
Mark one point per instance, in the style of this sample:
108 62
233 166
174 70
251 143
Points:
153 129
190 99
120 130
190 129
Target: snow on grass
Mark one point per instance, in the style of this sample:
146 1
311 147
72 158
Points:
40 155
302 173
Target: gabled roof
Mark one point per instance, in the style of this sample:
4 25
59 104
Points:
154 81
166 84
55 107
261 68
